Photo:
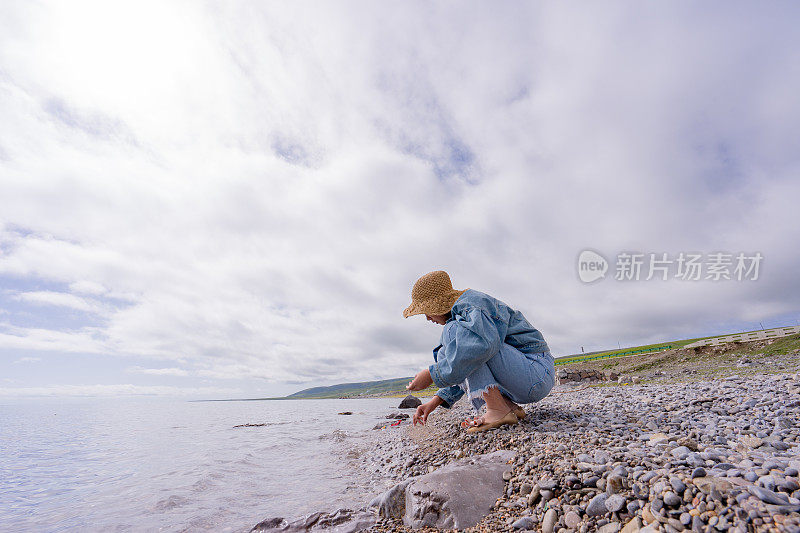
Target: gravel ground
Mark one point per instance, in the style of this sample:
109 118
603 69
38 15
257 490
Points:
706 455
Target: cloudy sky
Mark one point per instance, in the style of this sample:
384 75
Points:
234 199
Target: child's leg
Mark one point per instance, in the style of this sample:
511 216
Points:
483 389
480 382
527 377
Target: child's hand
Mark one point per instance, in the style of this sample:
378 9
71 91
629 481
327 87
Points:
421 381
421 415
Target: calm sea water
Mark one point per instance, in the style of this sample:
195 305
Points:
137 465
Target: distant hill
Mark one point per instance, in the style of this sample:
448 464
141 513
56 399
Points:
349 390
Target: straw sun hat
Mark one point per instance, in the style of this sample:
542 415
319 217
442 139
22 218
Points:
433 294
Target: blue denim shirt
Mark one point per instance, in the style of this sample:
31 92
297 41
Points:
477 326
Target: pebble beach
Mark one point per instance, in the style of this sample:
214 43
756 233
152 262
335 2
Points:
709 455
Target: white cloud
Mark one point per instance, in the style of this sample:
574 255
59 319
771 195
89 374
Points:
262 185
87 287
59 299
27 360
158 371
83 340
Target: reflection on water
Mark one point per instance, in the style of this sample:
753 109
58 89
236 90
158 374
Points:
134 465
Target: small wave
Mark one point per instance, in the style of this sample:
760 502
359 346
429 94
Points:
260 424
337 435
171 503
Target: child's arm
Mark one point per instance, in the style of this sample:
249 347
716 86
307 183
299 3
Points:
421 381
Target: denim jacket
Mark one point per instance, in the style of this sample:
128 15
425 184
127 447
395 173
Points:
477 326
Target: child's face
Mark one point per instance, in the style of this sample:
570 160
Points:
438 319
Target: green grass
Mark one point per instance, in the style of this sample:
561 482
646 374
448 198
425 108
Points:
655 363
633 350
781 346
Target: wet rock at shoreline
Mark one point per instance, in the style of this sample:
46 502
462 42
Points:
410 402
342 521
455 496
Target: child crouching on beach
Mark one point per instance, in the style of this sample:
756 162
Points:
487 350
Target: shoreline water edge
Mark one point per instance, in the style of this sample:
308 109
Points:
709 455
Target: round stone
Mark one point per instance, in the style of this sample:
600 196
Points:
615 502
632 507
526 522
572 519
678 485
656 505
597 505
549 522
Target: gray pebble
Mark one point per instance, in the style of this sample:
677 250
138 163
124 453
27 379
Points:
612 527
767 496
597 505
615 502
681 452
548 484
656 505
698 472
572 519
672 499
678 485
648 476
767 482
549 521
526 522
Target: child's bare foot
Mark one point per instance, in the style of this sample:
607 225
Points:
492 420
498 412
519 411
491 415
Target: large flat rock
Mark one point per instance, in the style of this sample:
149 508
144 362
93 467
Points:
455 496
